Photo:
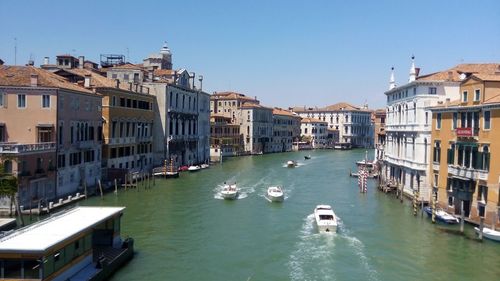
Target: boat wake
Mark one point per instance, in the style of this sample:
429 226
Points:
359 250
313 256
243 191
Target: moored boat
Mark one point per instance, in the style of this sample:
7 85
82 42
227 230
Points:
442 216
229 191
204 166
326 221
194 168
275 194
489 233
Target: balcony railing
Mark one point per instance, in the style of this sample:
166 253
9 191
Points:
467 132
469 173
16 148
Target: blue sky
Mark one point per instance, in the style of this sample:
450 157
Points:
287 53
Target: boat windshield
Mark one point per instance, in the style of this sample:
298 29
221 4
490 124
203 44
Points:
326 217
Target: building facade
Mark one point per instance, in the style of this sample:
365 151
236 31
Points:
379 117
408 125
315 132
225 137
353 123
229 104
256 125
464 143
51 129
286 130
128 119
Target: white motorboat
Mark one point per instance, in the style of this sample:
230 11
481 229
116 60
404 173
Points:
489 233
229 191
194 168
326 220
275 194
291 164
204 166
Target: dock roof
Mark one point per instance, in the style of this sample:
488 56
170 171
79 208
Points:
41 236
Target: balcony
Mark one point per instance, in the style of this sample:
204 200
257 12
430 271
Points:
17 148
469 173
467 132
86 144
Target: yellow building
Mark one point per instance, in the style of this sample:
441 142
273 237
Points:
128 117
466 144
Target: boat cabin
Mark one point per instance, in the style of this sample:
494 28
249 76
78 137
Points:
76 244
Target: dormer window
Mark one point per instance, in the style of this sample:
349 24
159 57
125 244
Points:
464 96
477 94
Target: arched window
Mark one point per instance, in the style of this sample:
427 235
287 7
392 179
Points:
7 167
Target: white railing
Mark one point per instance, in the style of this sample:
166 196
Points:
468 173
13 148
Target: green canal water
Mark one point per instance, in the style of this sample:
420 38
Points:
184 231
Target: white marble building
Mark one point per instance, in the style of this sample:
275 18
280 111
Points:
408 126
353 123
315 130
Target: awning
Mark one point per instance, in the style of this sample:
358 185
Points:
43 125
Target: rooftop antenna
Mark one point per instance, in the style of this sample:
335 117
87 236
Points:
15 51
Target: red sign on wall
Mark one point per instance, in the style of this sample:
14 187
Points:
464 132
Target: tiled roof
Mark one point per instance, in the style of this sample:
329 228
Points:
453 74
280 111
334 107
312 120
342 106
230 95
162 72
488 77
128 66
253 105
97 80
21 76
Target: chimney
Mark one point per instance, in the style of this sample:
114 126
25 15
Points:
46 60
450 76
117 83
86 84
31 63
81 61
34 80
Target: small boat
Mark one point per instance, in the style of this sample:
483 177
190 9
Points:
442 216
194 168
275 194
204 166
307 157
291 164
326 221
489 233
183 168
229 191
